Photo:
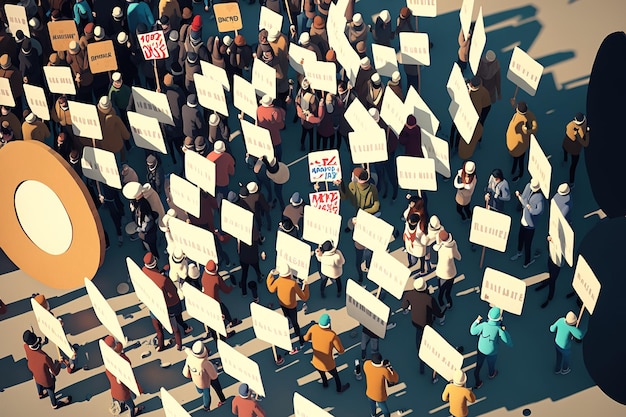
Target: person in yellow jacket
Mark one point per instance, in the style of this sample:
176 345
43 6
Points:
279 280
324 340
458 395
378 374
522 125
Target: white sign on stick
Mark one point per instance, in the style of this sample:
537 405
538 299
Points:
153 104
146 132
321 75
101 165
119 367
200 171
561 233
241 367
324 166
36 98
490 228
270 326
237 221
426 119
370 146
197 243
439 354
171 406
372 232
303 407
465 15
6 95
426 8
478 42
368 310
437 149
524 71
295 253
149 293
185 195
298 56
153 45
216 73
204 308
393 111
346 55
586 284
85 120
104 312
414 48
326 200
17 20
389 273
263 78
359 118
539 166
51 327
456 85
415 173
269 20
385 60
244 96
321 225
465 117
258 140
503 290
60 80
210 97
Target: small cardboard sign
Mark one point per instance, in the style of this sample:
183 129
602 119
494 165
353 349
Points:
439 354
215 73
295 253
478 42
490 228
586 284
149 293
270 20
101 56
326 200
36 99
562 234
359 118
385 60
426 8
372 232
51 327
393 111
200 171
16 18
465 16
244 96
146 132
6 95
368 146
119 367
60 80
368 310
415 173
263 78
524 71
324 166
171 406
227 16
104 312
209 96
298 56
503 290
437 149
185 195
62 32
239 366
153 45
539 166
389 273
258 140
196 243
85 120
320 224
321 75
100 165
426 119
303 407
237 221
270 326
414 48
153 104
204 308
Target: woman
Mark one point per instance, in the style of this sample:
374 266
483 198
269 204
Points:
331 265
465 183
202 372
497 191
307 105
415 240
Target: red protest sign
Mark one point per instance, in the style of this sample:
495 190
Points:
153 45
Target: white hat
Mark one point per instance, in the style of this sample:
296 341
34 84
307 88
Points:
374 113
459 378
173 35
266 100
365 63
252 187
98 33
193 272
178 254
283 269
395 77
304 38
385 16
117 12
357 19
571 318
214 120
132 190
122 37
273 35
34 23
534 185
434 222
419 284
470 167
227 40
375 78
219 147
31 118
104 103
563 189
74 47
198 349
490 56
117 76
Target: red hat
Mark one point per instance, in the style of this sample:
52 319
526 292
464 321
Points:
110 341
211 268
89 27
196 23
149 260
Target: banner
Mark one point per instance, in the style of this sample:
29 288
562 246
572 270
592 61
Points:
85 120
389 273
258 140
197 243
490 228
294 252
478 42
204 308
146 132
586 284
60 80
6 95
215 73
393 111
171 406
263 78
368 310
101 56
321 75
561 233
439 354
185 195
372 232
17 20
209 96
503 290
104 312
241 367
539 166
51 328
270 326
200 171
370 146
320 224
298 56
153 45
465 16
415 173
303 407
324 166
36 99
269 20
385 60
227 16
119 367
100 165
244 96
359 118
426 8
153 104
524 71
414 48
62 32
237 221
437 149
426 119
149 293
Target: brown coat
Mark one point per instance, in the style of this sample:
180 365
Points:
480 99
573 142
518 141
79 64
14 124
280 47
323 341
41 366
60 116
35 131
114 131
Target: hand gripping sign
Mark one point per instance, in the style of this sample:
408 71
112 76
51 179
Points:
503 290
439 354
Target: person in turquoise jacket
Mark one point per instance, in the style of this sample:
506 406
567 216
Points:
565 328
489 335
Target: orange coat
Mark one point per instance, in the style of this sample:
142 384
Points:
517 142
376 378
458 398
35 131
324 341
286 289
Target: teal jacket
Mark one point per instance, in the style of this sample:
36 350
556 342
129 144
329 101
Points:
563 333
489 334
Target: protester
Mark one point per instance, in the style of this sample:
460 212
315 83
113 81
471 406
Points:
522 125
489 335
202 372
576 138
458 395
532 201
331 265
378 375
565 328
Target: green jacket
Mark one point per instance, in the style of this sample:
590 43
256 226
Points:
361 196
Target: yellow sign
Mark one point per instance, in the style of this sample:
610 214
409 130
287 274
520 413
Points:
228 17
101 56
62 32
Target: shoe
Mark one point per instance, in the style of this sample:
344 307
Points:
516 256
478 385
44 395
435 380
449 306
558 371
515 178
235 321
495 374
346 230
344 387
325 384
280 360
442 321
532 261
220 403
256 300
134 237
63 402
230 334
405 312
294 350
565 371
545 304
391 325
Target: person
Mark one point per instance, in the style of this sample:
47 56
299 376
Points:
415 241
375 92
532 207
145 218
324 341
378 375
361 193
411 137
43 368
202 372
34 128
307 104
295 210
212 284
480 99
331 265
382 33
522 125
458 395
555 261
432 235
272 118
576 138
563 200
565 328
70 363
465 183
497 191
489 335
224 168
246 406
279 281
120 393
489 72
446 267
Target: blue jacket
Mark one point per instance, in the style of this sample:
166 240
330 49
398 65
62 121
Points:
535 200
563 333
564 203
139 12
489 334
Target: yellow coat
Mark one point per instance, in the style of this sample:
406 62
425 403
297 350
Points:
287 289
323 341
376 378
518 141
458 398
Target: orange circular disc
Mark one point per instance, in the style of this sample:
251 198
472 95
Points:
81 249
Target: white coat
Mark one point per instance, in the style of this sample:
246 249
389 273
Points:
331 263
448 252
415 242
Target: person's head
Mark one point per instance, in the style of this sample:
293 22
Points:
295 199
412 220
459 378
490 56
522 108
570 318
327 246
31 340
151 162
305 84
150 261
475 83
41 300
411 121
469 172
419 284
377 359
324 322
579 119
283 269
211 267
563 189
244 390
497 174
375 79
495 314
199 350
117 79
535 186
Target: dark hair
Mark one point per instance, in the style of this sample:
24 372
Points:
497 173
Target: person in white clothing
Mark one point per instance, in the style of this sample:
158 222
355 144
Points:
415 241
331 265
432 235
465 183
446 267
202 372
165 228
178 269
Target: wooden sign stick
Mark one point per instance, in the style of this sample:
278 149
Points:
514 96
378 291
93 143
482 255
274 353
288 12
156 75
580 315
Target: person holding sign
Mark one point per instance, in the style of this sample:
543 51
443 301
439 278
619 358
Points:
411 137
576 138
489 73
415 241
489 335
307 108
331 265
272 118
497 191
360 192
565 328
522 125
378 374
212 284
70 363
202 372
446 267
246 406
458 395
532 207
465 183
464 46
120 393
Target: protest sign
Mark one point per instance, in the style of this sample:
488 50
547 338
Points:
119 367
101 56
146 132
60 80
51 327
85 120
258 140
263 78
393 111
437 149
346 55
204 308
196 243
503 290
62 32
324 166
295 253
270 20
227 16
426 8
171 406
36 99
215 73
372 232
320 224
524 71
456 85
298 56
414 48
478 42
561 233
185 195
153 104
490 228
104 312
270 326
368 310
415 173
153 45
6 94
359 118
244 96
385 60
321 75
465 16
586 284
326 200
209 96
237 221
465 117
149 293
303 407
241 367
200 171
16 18
368 146
539 166
416 106
389 273
439 354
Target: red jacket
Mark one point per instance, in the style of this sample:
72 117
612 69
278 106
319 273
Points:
224 167
273 119
246 407
213 284
42 366
165 284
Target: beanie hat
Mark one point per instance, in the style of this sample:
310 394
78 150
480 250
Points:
304 38
109 341
579 119
405 13
534 185
522 108
365 63
173 36
211 267
196 23
283 269
377 358
324 321
252 187
374 113
459 378
219 147
149 260
273 35
104 103
357 19
192 100
331 56
384 16
470 167
419 284
571 318
495 314
318 22
199 350
193 272
295 199
122 38
563 189
411 120
214 120
490 56
244 391
444 236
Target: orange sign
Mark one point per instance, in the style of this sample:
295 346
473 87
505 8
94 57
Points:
101 56
227 16
62 32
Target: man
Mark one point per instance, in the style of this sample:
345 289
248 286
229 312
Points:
522 125
78 61
480 99
194 122
576 138
331 265
143 215
361 193
531 200
324 341
13 74
212 284
497 191
565 328
378 374
34 128
295 210
382 31
202 372
246 406
114 131
272 118
489 335
119 94
447 252
120 393
224 168
458 395
489 73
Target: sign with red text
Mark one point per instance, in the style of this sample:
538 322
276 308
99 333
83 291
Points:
104 312
6 94
196 243
210 97
426 119
298 56
490 228
321 225
263 78
258 140
303 407
586 284
17 20
185 195
539 166
393 111
204 308
389 273
270 20
359 118
372 232
414 48
324 166
439 354
465 16
237 221
171 406
437 149
295 253
153 45
85 120
385 60
270 326
37 102
415 173
101 56
51 327
426 8
215 73
146 132
368 147
524 71
321 75
503 290
62 32
149 293
60 80
478 42
227 16
368 310
241 367
562 234
326 200
244 96
119 367
100 165
153 104
200 171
